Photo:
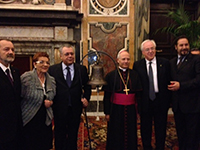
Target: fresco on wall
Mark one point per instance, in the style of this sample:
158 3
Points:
109 38
142 9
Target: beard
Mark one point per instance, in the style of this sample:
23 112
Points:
184 52
10 58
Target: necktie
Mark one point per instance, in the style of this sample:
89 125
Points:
9 77
152 94
68 77
180 62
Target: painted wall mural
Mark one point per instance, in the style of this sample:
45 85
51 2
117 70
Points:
110 33
109 38
142 15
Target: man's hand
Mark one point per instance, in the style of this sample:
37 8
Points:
174 86
48 103
107 117
85 102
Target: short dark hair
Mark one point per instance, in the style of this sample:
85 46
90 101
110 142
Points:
40 54
180 37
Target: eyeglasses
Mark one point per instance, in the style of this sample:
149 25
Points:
42 62
67 54
148 49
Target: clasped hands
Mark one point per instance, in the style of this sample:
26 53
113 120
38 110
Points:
47 103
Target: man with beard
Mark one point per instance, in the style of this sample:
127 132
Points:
10 87
185 84
121 93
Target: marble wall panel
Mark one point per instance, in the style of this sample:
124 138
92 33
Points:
61 33
110 41
26 32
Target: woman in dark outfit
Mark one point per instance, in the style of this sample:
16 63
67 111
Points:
38 91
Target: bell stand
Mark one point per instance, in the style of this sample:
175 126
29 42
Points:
97 116
97 86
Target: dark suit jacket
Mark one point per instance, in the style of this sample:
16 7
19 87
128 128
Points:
10 110
60 105
188 96
163 76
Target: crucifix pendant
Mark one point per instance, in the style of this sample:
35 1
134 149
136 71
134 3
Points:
126 90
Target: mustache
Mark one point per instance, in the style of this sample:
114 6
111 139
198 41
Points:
186 49
10 55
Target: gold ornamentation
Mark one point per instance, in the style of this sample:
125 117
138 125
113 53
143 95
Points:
125 84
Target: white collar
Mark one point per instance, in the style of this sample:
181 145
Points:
153 60
4 67
70 66
122 69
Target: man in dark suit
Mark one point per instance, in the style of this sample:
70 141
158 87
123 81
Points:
185 84
69 99
10 90
154 104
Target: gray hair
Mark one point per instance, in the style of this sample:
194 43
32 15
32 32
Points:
68 46
148 40
118 54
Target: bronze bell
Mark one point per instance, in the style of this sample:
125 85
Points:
97 76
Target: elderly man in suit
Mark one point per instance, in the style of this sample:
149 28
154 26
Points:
10 88
72 94
185 84
153 107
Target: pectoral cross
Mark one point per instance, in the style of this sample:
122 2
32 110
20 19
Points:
126 90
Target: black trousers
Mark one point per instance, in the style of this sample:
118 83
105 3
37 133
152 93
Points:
158 118
66 131
187 127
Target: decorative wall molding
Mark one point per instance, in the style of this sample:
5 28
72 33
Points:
108 7
29 17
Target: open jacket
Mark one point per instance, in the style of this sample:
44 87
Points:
33 95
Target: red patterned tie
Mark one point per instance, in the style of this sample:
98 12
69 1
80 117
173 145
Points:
9 77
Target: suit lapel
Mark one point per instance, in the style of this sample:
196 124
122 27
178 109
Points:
159 67
76 74
14 75
4 77
144 67
59 71
185 62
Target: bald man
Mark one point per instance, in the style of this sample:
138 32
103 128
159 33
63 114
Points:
10 89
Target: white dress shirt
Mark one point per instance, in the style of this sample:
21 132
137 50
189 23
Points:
154 68
65 70
4 69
